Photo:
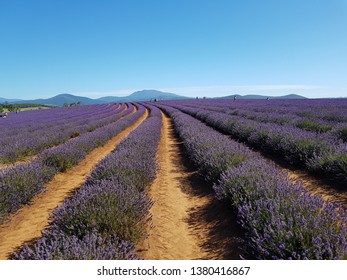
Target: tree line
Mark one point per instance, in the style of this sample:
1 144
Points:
17 107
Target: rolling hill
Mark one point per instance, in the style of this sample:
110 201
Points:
256 96
143 95
3 100
61 99
146 95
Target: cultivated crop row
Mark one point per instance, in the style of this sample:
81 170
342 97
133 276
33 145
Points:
318 153
108 214
19 184
30 121
318 117
30 142
281 219
330 110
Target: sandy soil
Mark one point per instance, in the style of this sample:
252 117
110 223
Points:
318 187
328 190
24 161
29 221
188 222
118 106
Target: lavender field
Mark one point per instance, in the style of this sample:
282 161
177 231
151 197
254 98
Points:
240 149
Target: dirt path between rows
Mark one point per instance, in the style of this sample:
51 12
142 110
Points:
188 222
318 187
24 161
327 190
30 220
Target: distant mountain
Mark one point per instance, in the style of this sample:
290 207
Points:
3 100
254 96
146 95
291 96
143 95
61 99
107 99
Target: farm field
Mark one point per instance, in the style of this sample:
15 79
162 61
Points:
192 179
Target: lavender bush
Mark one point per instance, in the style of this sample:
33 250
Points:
59 246
106 207
281 220
30 141
114 208
209 149
321 154
19 184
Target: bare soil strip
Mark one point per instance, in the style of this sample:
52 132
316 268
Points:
30 220
119 105
328 190
24 161
188 222
318 187
325 188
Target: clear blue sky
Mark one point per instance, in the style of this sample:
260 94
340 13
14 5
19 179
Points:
192 47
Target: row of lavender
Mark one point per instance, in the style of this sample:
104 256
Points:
318 153
32 122
281 220
18 185
108 214
32 141
315 116
37 119
331 110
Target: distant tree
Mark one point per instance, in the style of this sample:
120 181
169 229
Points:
66 105
11 107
